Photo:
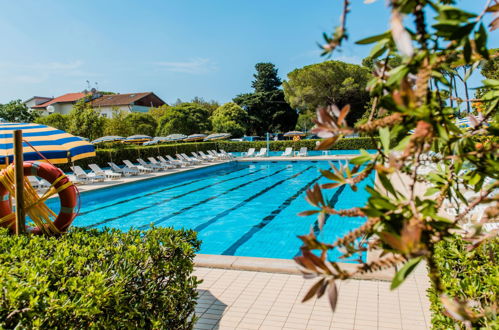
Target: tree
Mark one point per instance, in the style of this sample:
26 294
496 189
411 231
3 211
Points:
17 111
158 112
327 83
267 110
117 125
230 118
185 118
84 121
266 78
141 123
55 120
210 106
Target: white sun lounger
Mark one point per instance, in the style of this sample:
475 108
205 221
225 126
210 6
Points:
288 152
173 161
38 184
202 157
125 170
250 153
303 152
165 165
81 174
155 167
190 159
140 168
215 154
208 156
107 173
262 153
226 154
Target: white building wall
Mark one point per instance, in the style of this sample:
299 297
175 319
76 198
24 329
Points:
108 111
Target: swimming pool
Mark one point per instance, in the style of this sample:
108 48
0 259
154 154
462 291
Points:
237 208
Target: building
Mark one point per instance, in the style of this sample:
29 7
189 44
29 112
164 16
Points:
62 104
36 100
104 104
132 102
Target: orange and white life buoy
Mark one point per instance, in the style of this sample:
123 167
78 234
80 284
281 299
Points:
67 191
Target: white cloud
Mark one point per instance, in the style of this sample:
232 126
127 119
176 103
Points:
193 66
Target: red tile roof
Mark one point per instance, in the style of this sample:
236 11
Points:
66 98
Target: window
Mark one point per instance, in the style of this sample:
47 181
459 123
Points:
104 115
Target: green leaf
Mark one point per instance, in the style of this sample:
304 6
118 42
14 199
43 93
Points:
387 184
370 40
378 49
359 160
397 74
403 272
384 135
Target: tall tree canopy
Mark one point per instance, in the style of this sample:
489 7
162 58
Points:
230 118
327 83
84 121
55 120
185 118
117 125
16 111
266 107
141 123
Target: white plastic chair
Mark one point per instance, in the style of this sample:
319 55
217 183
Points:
288 152
107 173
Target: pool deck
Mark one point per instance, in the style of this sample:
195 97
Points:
264 293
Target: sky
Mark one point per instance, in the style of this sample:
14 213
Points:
176 49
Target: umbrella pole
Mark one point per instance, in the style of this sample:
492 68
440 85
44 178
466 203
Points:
19 179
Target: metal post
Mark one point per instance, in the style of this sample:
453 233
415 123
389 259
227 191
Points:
268 143
19 180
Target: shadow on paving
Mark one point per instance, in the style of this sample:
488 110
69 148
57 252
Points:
209 310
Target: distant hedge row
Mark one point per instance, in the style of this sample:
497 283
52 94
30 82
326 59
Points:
133 152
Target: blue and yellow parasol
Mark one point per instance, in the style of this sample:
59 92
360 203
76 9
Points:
109 138
195 137
217 136
55 145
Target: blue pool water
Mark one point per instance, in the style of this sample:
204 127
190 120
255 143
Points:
238 208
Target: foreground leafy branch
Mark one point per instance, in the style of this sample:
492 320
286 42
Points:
421 148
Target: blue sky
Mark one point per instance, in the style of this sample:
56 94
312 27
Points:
177 49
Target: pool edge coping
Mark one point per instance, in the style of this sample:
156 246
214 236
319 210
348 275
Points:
274 265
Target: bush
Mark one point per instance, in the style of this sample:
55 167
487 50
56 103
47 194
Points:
467 275
343 144
98 279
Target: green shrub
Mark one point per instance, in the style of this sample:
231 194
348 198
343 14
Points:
467 275
343 144
98 279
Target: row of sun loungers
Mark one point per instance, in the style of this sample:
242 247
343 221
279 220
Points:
286 153
97 174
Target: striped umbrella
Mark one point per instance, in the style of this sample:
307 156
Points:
138 138
217 136
294 133
109 138
175 137
55 145
195 137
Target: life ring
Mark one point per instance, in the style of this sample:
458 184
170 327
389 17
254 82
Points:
68 196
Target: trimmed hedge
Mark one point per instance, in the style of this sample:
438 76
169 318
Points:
467 275
98 279
343 144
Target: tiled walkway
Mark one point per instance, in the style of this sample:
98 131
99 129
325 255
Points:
232 299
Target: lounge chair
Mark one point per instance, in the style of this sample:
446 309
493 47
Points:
209 156
201 157
165 164
250 153
155 167
107 173
262 153
81 174
288 152
215 154
303 152
126 171
140 168
226 154
38 184
173 161
190 159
